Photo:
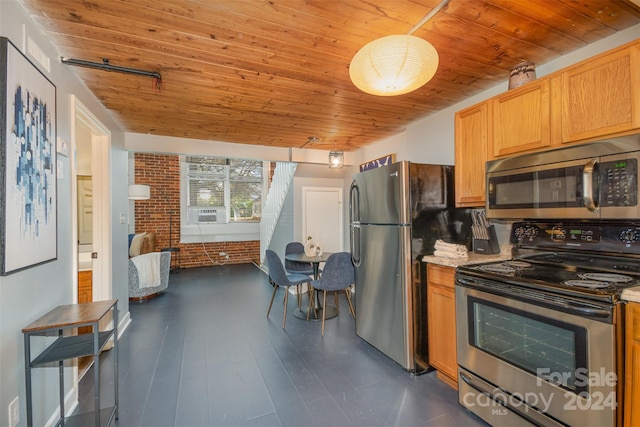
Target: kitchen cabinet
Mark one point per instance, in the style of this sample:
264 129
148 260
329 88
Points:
631 412
85 293
601 96
592 100
60 323
471 136
441 308
521 120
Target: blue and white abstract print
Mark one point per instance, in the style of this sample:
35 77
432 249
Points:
29 162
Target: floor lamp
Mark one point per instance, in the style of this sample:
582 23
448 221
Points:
170 248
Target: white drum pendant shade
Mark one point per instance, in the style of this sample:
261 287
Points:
393 65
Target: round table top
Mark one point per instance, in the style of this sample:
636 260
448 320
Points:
302 257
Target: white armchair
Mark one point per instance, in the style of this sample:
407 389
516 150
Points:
148 275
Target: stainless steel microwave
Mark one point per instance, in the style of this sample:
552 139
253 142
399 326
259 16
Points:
591 181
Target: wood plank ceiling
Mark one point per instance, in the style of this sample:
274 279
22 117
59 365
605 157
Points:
275 72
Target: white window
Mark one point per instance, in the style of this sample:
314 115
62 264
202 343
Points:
219 195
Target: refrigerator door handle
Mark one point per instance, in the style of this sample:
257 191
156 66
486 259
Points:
354 220
355 244
354 203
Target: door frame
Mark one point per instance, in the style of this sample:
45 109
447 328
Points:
305 191
100 165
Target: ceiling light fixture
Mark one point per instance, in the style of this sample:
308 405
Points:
336 159
310 140
396 64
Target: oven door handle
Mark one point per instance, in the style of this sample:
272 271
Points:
589 311
585 309
532 415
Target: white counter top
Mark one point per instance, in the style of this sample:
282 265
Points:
631 294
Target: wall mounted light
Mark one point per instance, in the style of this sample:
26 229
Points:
139 192
336 159
396 64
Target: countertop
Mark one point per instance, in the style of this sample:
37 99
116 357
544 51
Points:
631 294
473 258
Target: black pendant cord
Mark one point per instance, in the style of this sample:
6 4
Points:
106 66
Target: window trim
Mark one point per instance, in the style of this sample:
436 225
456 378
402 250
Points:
210 233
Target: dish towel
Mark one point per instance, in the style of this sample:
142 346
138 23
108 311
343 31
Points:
450 250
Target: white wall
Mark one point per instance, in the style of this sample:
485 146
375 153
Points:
27 295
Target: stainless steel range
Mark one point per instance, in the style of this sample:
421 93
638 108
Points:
539 335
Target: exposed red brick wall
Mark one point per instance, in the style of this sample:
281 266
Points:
162 173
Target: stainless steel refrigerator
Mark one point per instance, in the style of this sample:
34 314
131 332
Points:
397 212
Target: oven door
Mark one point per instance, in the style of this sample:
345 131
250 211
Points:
536 361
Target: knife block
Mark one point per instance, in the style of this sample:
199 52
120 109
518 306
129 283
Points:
488 246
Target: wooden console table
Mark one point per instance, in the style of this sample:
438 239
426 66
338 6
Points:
61 322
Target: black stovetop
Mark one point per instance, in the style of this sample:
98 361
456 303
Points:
547 257
557 278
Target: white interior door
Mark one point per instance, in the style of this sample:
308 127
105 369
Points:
98 146
322 217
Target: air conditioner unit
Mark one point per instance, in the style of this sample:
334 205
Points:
213 215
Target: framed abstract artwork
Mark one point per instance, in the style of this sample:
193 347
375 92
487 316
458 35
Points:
28 211
381 161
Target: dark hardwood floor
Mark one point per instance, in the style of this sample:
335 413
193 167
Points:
203 353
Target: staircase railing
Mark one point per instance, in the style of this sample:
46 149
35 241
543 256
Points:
280 183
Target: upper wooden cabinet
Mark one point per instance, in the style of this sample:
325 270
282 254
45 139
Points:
521 120
471 137
601 96
594 99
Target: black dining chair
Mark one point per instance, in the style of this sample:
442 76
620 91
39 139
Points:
338 275
296 267
280 278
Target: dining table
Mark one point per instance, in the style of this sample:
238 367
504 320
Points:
315 261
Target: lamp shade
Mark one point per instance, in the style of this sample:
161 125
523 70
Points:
336 159
139 192
393 65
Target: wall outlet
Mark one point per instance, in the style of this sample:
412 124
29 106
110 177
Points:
222 254
14 412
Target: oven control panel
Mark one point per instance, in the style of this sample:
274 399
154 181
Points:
583 234
620 238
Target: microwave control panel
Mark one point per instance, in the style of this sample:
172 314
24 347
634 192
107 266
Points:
619 183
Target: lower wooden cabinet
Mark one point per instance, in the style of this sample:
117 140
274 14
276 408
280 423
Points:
631 412
441 307
85 294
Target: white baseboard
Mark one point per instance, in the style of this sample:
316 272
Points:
124 323
70 404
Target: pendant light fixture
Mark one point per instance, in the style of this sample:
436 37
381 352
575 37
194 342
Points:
396 64
336 159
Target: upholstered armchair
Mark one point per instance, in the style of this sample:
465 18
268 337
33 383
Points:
148 269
